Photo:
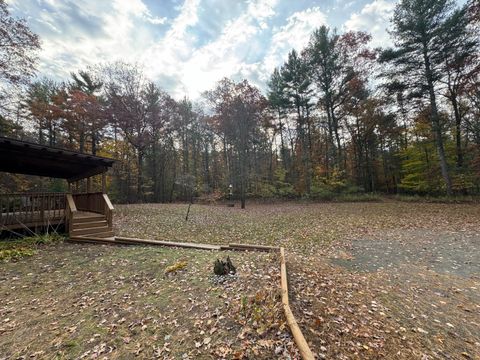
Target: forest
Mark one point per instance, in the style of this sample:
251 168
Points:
338 117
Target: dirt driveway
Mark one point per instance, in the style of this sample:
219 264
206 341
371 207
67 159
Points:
403 294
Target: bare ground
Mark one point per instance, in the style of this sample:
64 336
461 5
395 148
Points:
367 281
91 301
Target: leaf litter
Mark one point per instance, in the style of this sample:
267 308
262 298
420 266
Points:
367 281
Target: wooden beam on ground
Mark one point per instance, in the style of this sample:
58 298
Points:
297 334
132 241
283 278
253 247
302 344
94 240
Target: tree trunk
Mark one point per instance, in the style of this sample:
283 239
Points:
337 138
207 168
94 143
282 143
458 130
82 141
435 119
243 180
140 176
156 196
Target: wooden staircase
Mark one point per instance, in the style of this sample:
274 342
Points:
89 217
87 224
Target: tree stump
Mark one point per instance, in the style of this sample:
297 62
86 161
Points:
224 267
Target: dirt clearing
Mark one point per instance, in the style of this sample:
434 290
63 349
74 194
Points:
367 281
89 301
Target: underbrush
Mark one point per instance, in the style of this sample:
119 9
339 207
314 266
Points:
15 249
366 197
457 199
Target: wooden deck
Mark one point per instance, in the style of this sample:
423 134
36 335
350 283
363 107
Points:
82 214
20 220
20 210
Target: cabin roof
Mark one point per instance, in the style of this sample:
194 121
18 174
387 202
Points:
24 157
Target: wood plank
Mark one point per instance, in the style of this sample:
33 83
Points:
90 231
90 224
108 234
167 243
254 247
92 240
302 344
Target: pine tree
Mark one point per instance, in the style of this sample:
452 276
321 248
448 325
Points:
419 30
298 89
278 101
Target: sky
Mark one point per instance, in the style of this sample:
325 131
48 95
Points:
186 46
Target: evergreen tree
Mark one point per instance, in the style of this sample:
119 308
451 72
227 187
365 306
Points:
278 101
298 90
419 30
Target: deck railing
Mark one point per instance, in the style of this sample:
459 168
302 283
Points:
31 208
41 209
70 211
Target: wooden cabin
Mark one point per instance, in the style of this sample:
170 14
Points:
84 213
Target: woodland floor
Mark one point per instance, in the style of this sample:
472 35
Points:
386 280
74 301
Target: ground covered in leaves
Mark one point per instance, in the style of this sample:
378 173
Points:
72 301
387 280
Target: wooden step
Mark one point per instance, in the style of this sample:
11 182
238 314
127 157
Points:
88 231
89 218
91 224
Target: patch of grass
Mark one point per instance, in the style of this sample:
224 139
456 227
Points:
16 249
15 254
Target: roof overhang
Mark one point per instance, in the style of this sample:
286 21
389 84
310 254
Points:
23 157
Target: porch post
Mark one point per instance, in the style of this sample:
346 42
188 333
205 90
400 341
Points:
89 184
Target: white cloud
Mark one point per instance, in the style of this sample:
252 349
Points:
166 56
118 34
374 18
248 46
295 34
227 55
198 69
136 8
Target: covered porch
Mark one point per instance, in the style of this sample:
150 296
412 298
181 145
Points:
82 210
